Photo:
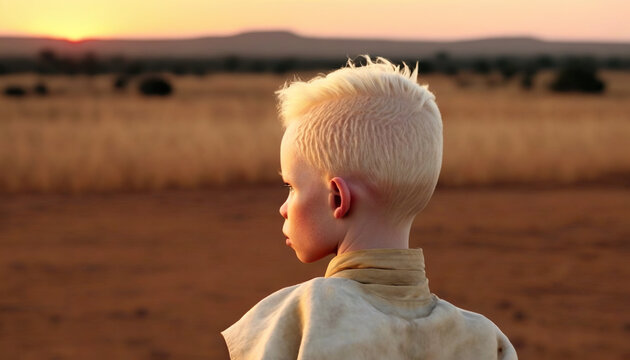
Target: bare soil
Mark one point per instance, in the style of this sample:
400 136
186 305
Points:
158 275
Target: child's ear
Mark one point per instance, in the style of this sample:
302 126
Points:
340 199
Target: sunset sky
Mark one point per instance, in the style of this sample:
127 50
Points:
600 20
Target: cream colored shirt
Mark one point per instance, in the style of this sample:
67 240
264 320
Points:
372 304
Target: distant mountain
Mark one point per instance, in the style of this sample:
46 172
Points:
286 44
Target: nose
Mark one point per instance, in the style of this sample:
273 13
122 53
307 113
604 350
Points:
283 210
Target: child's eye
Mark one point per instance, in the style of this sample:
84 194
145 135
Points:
288 186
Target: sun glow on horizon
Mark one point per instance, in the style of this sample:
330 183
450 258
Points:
75 37
74 22
78 20
71 37
72 29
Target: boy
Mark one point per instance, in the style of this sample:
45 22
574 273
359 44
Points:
361 155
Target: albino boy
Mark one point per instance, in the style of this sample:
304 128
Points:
361 153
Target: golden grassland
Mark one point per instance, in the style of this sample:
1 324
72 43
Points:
222 129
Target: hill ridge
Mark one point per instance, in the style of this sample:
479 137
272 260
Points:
280 43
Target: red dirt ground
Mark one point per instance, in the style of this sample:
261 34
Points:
157 276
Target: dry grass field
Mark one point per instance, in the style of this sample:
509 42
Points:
222 129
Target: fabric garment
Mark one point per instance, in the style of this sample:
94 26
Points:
371 304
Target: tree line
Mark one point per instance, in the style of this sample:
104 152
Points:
49 62
572 72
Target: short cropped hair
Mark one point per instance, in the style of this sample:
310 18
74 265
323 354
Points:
372 121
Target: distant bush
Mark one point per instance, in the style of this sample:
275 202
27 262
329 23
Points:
425 66
199 71
135 68
90 64
544 62
40 89
257 66
155 86
481 66
445 64
450 69
283 66
527 81
231 63
121 82
508 67
578 75
179 70
14 91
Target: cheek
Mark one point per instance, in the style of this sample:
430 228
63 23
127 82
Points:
309 219
299 211
295 212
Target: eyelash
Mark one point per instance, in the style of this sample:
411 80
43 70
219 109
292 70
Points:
287 185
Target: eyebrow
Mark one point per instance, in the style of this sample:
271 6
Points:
280 173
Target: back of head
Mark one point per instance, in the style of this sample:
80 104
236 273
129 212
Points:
372 122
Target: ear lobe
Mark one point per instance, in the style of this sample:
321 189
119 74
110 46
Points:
340 197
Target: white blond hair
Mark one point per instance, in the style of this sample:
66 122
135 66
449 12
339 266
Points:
373 121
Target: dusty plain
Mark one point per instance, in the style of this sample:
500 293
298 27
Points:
159 275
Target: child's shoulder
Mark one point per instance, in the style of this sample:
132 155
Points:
315 290
461 317
276 322
471 329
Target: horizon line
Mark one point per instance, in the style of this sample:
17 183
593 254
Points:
298 34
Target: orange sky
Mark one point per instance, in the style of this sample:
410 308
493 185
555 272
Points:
438 19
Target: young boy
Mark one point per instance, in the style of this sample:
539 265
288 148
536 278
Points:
361 155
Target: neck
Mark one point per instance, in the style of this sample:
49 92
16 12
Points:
375 234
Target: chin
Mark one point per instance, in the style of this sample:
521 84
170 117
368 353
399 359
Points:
305 260
309 258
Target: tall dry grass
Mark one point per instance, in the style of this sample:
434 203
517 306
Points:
86 138
223 129
504 135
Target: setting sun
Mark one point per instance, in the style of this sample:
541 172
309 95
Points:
73 32
74 35
74 21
